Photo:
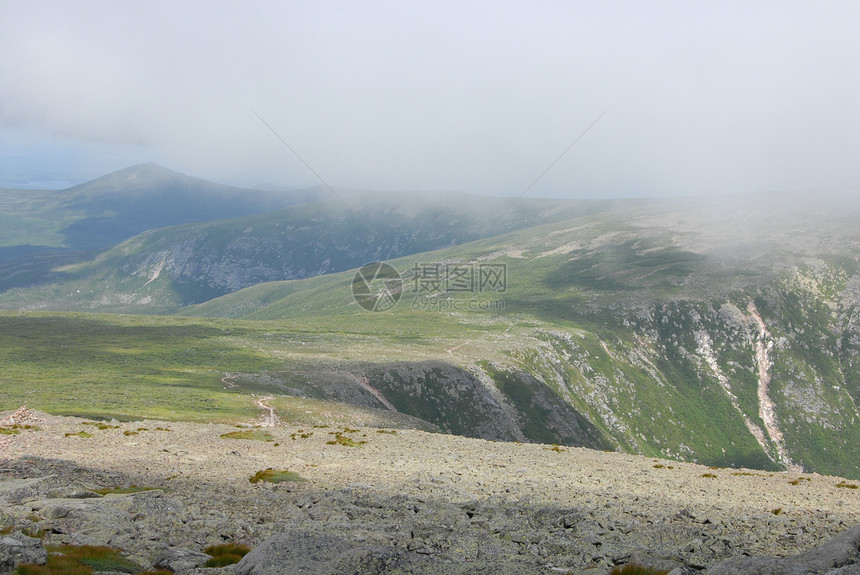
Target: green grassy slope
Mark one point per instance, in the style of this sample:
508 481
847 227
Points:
645 323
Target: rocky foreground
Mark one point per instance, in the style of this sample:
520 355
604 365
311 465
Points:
403 501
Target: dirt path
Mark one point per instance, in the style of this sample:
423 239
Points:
270 419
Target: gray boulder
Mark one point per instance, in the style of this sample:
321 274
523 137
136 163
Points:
310 553
179 560
760 566
296 552
17 549
838 556
842 550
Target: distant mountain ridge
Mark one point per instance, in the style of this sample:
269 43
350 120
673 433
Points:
191 263
147 196
44 228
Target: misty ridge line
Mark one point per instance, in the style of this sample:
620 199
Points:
495 220
549 167
314 172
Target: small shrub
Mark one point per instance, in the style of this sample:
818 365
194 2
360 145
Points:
225 554
35 533
388 431
348 430
275 476
161 429
79 434
8 431
127 433
659 466
556 447
845 485
634 569
777 511
710 475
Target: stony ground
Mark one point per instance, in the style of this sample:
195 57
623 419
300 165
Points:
457 499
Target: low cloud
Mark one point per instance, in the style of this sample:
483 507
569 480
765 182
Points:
472 96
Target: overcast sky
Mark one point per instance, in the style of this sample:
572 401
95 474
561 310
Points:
700 97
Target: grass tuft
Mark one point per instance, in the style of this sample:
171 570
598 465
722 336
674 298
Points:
340 439
709 475
79 434
845 485
225 554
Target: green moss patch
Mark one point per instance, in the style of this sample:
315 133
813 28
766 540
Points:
17 428
81 560
255 434
275 476
101 426
124 489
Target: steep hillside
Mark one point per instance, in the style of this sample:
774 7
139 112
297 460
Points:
724 331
